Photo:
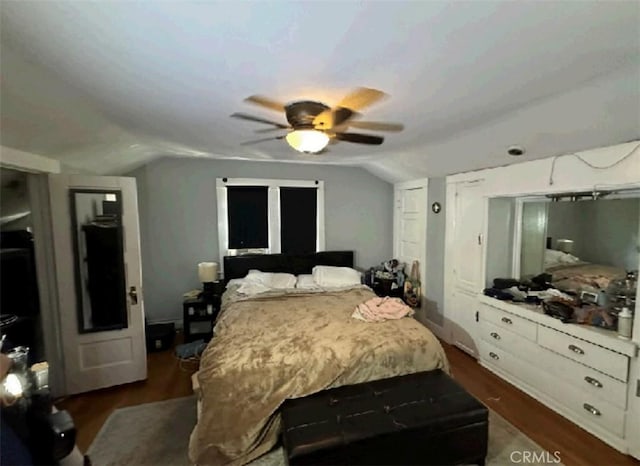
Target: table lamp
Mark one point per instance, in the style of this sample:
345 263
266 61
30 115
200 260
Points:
208 274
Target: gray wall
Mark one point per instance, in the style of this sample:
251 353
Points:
566 220
434 280
178 219
603 231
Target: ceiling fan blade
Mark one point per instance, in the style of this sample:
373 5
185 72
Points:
244 116
269 130
266 102
360 138
376 125
361 98
256 141
333 117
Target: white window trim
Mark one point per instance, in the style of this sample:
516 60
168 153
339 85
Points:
273 186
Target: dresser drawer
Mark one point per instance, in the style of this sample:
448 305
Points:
523 327
583 378
509 341
580 406
585 406
502 359
601 359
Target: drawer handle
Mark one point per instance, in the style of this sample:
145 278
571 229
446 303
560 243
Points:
594 382
576 350
494 355
495 335
592 410
506 320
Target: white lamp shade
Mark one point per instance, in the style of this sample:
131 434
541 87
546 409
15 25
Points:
564 245
308 140
208 272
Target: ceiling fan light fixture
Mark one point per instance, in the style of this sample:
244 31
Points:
307 140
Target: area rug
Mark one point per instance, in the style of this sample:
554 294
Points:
158 434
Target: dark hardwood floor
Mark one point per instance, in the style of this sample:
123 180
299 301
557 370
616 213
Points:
170 379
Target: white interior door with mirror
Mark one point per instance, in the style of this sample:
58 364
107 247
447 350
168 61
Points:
94 224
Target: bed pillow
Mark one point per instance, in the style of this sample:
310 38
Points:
276 281
329 276
306 282
553 258
235 281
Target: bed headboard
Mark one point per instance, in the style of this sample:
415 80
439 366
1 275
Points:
239 266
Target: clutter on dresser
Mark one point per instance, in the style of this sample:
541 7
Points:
602 309
625 323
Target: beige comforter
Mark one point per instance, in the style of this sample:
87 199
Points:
274 347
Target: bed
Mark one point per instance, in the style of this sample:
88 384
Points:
569 273
288 344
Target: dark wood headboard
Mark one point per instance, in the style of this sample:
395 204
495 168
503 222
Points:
239 266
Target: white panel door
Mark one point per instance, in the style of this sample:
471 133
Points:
464 327
411 224
99 291
468 243
470 212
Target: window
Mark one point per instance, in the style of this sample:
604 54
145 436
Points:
270 216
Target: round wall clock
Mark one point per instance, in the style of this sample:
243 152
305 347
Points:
436 207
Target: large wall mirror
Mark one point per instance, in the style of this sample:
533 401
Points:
99 260
581 243
598 238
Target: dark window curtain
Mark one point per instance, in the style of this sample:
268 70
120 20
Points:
298 220
248 216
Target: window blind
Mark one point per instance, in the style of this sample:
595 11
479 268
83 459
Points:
248 217
298 220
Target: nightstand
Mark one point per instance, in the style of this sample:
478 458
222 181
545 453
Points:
383 288
198 317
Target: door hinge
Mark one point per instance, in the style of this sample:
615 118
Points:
480 239
638 388
477 316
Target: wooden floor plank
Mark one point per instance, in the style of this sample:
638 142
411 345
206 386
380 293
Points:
170 379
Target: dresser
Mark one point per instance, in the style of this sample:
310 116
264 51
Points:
581 372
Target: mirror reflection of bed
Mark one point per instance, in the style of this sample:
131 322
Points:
585 245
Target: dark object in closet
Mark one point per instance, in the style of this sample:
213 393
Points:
19 300
105 268
560 311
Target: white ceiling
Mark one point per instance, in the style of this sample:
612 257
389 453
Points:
107 86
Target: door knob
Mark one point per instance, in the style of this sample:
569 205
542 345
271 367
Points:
133 294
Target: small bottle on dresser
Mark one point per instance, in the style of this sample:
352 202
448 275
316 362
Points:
625 322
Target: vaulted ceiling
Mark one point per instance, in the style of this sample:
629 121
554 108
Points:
107 86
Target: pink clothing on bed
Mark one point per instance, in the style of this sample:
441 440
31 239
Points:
379 309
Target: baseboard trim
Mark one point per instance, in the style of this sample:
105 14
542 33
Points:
438 330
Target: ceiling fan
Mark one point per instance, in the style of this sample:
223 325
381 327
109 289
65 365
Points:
312 125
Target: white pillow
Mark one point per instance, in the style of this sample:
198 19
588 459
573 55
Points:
553 258
277 281
250 288
325 275
235 281
306 282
